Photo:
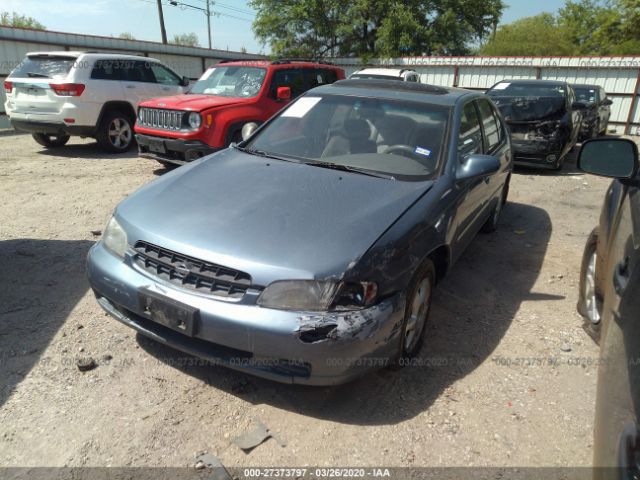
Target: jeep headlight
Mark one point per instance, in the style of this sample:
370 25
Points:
195 120
115 238
317 295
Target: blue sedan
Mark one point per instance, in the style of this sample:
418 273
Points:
308 253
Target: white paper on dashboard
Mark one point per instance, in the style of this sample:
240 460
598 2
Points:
301 107
502 86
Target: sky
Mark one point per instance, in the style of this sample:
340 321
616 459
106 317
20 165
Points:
231 29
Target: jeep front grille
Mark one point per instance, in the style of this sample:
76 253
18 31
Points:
161 119
191 273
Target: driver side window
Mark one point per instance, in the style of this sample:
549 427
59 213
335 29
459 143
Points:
470 139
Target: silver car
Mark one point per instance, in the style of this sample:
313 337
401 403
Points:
308 252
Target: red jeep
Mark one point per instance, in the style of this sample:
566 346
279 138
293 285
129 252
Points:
228 96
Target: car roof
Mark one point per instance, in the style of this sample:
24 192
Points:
383 71
396 89
90 55
584 85
533 80
273 63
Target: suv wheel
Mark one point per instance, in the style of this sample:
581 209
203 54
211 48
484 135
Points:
589 300
115 133
51 141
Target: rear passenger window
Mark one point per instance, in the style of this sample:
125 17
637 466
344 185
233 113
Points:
470 140
109 70
490 125
139 72
288 78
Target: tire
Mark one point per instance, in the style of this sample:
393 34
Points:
416 315
589 299
115 133
491 225
50 141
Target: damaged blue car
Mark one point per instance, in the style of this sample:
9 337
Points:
308 252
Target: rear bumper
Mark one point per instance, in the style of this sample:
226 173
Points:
51 128
172 150
285 346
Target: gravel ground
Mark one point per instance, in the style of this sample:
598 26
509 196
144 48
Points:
493 386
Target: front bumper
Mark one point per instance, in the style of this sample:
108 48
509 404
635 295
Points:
172 150
285 346
543 153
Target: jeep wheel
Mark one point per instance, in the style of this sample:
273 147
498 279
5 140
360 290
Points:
115 133
50 141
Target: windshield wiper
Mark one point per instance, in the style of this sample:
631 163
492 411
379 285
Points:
36 75
262 153
348 168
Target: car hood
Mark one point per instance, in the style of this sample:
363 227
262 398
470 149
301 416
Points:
193 102
270 218
530 109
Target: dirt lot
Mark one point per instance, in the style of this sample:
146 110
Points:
493 386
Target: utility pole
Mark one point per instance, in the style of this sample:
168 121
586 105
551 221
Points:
209 22
162 29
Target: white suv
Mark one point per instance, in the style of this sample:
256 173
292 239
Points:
402 74
55 95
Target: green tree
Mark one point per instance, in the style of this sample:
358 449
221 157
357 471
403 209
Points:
186 39
13 19
537 35
126 36
368 28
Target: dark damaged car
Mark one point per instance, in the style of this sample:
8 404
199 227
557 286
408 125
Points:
595 116
308 252
544 119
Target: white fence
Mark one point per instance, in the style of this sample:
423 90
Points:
189 61
619 76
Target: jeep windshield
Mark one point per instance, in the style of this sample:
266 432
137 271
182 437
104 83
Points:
374 136
231 81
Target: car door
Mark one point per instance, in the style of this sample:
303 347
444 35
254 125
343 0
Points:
139 84
290 77
472 193
166 82
617 432
496 143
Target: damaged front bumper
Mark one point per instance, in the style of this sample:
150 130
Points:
290 347
537 152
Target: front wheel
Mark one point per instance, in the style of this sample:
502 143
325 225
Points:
115 133
417 310
590 301
51 141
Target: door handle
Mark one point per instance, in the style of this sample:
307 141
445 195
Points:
131 86
166 89
487 179
621 276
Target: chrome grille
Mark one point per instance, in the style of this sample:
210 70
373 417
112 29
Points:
161 119
190 272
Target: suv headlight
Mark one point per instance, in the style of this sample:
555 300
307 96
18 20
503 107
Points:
317 295
195 120
115 238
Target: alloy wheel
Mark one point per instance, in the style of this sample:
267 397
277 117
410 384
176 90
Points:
418 314
120 134
590 298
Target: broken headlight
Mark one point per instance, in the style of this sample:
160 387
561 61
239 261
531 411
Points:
115 238
317 295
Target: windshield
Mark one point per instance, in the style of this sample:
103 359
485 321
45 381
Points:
231 81
506 89
586 95
395 138
43 67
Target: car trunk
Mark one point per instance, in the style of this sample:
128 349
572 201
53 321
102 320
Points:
31 91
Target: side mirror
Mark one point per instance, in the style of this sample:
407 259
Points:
609 157
185 82
283 93
578 105
606 102
248 129
477 166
